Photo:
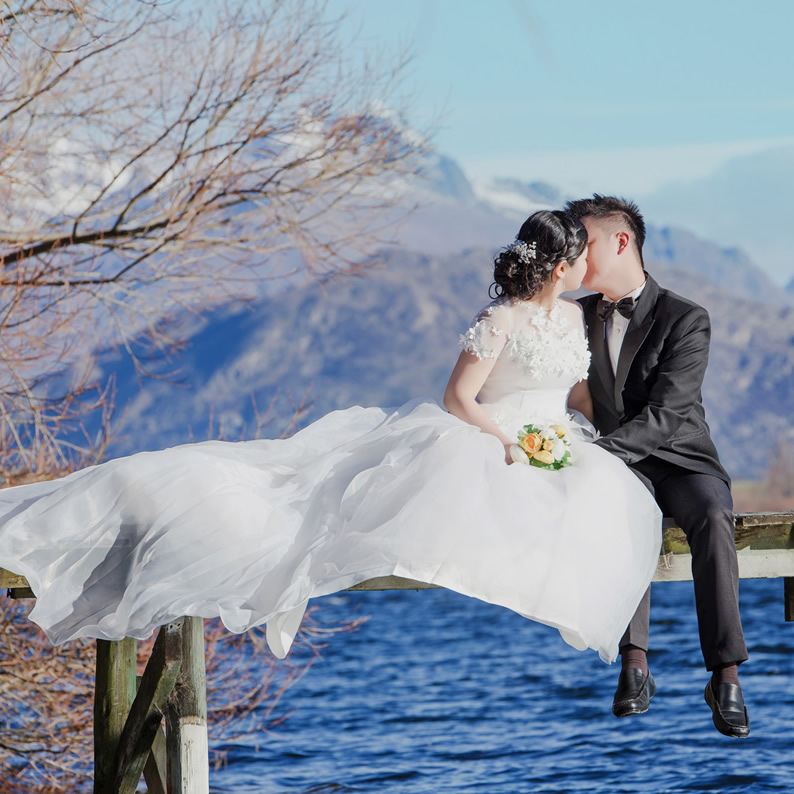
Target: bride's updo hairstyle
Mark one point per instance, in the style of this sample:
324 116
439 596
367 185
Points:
545 239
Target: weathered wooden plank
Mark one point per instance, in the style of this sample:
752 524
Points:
757 531
114 692
674 566
154 769
9 579
20 592
393 583
154 773
753 564
788 598
187 753
769 519
146 712
757 536
765 563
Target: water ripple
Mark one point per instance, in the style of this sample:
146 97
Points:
441 693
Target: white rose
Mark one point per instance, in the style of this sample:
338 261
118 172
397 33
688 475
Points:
559 449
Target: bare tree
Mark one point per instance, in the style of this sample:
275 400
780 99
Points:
158 157
154 157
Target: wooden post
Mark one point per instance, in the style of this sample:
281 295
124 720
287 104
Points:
114 692
788 597
146 714
187 754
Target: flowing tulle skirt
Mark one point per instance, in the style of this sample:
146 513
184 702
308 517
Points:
250 531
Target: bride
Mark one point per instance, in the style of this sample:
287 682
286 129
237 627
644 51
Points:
250 531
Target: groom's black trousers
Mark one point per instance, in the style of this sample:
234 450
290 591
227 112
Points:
702 506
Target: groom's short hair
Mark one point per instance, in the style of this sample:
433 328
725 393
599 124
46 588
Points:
611 208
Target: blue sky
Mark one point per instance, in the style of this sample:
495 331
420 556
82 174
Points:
611 95
512 76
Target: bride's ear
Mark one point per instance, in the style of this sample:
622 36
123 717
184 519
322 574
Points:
560 269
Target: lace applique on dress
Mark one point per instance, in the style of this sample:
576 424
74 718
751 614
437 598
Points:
550 348
485 339
538 341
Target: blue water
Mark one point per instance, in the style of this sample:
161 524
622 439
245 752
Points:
437 692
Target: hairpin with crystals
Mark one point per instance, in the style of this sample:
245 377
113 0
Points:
524 252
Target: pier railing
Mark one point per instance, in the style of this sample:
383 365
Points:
129 712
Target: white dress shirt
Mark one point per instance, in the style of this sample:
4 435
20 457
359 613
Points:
616 329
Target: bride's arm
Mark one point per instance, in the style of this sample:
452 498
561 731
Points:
460 396
579 400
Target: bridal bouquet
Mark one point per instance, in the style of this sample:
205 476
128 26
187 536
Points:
545 447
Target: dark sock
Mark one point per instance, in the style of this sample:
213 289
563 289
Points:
726 674
633 656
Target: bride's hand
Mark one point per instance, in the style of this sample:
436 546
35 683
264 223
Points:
508 457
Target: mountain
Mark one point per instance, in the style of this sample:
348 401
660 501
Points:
730 269
736 206
443 177
391 335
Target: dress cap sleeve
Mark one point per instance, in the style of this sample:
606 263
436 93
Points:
489 331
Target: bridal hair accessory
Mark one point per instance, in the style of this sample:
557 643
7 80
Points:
545 447
524 252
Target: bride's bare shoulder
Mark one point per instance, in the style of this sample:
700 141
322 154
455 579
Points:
571 308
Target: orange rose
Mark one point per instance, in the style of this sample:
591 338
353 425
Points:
531 443
548 445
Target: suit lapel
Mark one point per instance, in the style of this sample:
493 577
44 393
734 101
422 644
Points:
636 333
596 337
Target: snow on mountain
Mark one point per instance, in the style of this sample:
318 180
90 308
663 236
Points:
518 198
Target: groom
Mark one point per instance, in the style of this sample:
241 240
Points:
649 352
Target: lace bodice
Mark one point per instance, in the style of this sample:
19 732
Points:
540 355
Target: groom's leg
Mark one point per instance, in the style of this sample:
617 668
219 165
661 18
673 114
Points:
636 633
636 686
702 506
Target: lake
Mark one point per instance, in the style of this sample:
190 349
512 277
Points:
438 692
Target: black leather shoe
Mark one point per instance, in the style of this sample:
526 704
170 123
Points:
634 692
727 709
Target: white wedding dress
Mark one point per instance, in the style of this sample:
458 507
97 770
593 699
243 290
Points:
250 531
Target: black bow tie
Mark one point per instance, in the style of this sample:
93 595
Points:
607 308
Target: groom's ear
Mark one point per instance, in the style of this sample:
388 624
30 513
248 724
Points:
623 241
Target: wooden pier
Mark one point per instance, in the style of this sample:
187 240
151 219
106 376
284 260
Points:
155 726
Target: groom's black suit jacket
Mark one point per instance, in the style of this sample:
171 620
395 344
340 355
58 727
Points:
651 408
